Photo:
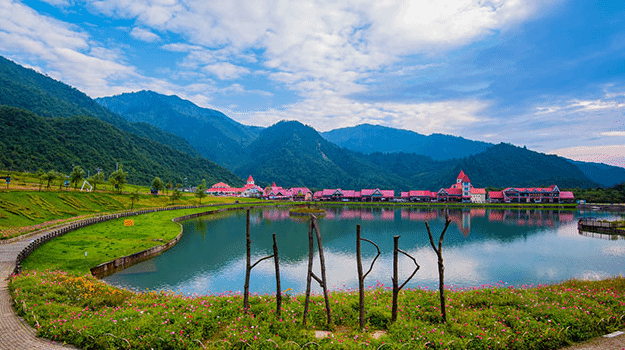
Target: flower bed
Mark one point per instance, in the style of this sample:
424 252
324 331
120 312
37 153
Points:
88 313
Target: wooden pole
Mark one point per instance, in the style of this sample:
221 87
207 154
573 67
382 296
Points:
441 266
309 275
278 288
396 286
361 281
361 276
324 283
248 264
395 279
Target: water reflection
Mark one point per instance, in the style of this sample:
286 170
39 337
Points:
482 246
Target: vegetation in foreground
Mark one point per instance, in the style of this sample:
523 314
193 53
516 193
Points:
83 311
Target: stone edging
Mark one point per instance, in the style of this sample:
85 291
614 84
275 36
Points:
86 222
110 267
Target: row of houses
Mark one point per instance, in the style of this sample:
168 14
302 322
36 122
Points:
460 192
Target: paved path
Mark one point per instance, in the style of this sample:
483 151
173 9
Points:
15 333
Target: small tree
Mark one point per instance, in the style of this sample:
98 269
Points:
175 195
158 184
97 179
134 196
200 191
118 179
76 175
168 187
40 175
49 177
61 177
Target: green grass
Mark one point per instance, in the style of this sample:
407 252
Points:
25 211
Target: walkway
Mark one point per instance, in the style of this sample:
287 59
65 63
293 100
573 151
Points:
15 333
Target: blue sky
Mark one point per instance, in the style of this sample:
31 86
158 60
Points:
546 75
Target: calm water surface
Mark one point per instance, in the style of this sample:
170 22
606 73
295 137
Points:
482 246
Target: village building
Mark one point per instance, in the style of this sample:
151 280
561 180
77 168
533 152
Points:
223 189
462 191
551 194
419 196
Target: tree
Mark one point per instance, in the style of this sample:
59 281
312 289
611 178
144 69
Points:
97 179
118 179
49 177
175 195
40 175
200 191
168 187
134 196
158 184
76 175
61 177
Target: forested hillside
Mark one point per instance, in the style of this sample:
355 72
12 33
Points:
367 138
30 142
210 132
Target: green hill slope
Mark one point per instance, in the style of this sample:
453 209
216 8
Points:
210 132
367 138
29 142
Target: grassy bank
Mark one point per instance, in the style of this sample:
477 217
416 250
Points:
92 315
26 211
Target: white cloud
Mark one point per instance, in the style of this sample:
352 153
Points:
614 133
331 43
144 35
226 70
330 111
68 53
610 154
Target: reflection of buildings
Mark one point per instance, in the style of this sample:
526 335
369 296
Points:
531 217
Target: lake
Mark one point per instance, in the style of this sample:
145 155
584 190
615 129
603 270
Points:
481 247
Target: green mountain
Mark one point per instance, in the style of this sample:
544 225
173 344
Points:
603 174
210 132
53 125
25 88
292 154
367 138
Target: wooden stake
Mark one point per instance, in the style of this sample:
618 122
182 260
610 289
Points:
441 266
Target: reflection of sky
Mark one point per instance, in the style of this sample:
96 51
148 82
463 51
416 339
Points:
546 249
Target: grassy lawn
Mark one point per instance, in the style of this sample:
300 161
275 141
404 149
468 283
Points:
25 211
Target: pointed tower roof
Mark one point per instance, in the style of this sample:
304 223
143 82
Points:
463 177
250 180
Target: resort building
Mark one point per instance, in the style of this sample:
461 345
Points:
462 191
550 194
249 190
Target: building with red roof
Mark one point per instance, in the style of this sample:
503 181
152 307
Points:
223 189
551 194
462 191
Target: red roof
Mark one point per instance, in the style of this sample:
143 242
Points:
463 177
478 191
452 191
220 185
566 195
495 194
250 179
